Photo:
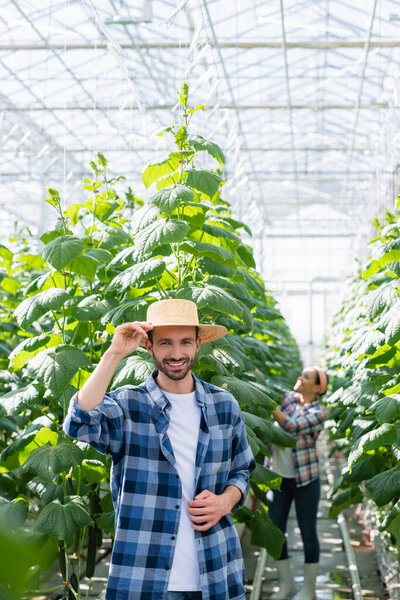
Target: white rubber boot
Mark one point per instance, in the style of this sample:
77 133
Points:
287 587
310 577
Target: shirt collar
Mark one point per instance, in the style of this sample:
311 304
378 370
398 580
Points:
162 401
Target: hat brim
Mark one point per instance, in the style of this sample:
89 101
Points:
207 333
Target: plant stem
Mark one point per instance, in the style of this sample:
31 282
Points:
89 589
78 491
53 589
58 323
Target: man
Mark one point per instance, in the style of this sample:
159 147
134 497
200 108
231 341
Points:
181 463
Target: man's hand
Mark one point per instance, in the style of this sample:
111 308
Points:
208 508
128 336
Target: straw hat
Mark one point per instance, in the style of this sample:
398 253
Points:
182 313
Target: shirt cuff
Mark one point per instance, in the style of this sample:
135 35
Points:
80 415
242 486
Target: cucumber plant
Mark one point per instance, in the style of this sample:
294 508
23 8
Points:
364 356
102 264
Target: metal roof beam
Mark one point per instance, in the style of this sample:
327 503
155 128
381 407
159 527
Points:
374 106
246 149
306 44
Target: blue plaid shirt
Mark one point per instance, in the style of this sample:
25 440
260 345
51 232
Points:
131 424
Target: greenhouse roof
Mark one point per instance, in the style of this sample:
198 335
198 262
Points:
301 95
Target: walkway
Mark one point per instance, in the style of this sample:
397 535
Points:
333 581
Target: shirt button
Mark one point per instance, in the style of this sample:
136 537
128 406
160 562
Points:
177 476
173 537
167 568
177 506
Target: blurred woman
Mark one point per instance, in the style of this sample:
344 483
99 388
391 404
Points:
301 415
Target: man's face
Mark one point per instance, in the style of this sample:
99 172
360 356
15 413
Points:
174 350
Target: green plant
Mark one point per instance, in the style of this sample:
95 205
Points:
364 356
105 261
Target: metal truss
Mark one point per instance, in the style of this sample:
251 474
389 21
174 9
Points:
297 93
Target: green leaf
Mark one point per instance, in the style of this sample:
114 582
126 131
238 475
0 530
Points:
265 478
134 369
204 181
138 274
366 341
93 471
270 434
133 310
102 255
389 323
62 520
168 199
385 434
265 534
84 266
211 298
378 300
232 358
13 513
200 249
160 232
111 237
30 347
220 232
238 224
61 251
106 522
200 144
387 409
10 285
209 362
364 470
48 461
34 436
382 356
6 255
143 217
54 368
156 170
390 251
392 522
345 499
31 309
92 308
384 486
72 213
213 267
249 280
238 290
16 401
247 395
246 254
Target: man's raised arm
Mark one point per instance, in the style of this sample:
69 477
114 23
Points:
126 339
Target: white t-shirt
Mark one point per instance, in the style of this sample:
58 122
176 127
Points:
183 432
282 460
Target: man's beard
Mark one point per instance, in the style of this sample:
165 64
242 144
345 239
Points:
175 376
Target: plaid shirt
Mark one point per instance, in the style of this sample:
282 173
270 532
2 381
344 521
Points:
131 424
304 422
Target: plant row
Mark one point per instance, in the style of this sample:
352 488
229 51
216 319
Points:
103 263
363 353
